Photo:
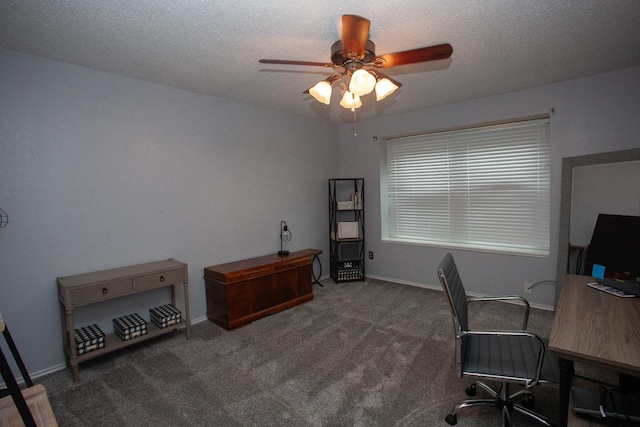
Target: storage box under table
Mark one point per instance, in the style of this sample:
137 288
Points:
88 338
129 326
165 315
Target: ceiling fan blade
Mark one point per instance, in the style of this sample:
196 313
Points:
332 78
414 56
355 33
287 62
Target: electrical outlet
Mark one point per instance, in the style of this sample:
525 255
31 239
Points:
527 288
370 254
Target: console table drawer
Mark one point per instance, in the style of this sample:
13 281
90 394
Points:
102 291
159 279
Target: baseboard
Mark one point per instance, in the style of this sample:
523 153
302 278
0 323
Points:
198 320
47 371
405 282
439 288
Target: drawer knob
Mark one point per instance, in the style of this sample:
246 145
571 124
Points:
162 278
105 291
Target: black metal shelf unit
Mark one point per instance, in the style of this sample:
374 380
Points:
346 229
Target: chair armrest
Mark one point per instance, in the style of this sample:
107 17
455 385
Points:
508 298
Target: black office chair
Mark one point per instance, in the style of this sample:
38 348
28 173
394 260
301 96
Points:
508 357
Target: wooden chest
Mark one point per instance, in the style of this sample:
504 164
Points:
242 291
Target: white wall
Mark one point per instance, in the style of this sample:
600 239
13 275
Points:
100 171
591 115
609 189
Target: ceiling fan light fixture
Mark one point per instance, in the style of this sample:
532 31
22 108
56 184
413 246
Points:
362 82
321 92
384 88
355 63
351 101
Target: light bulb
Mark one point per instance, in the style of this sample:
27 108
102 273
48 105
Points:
362 82
286 234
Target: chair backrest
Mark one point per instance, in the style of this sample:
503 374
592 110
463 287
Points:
457 299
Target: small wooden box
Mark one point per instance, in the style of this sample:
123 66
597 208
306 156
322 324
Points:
88 338
165 315
129 326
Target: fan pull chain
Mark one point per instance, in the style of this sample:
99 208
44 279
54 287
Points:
355 123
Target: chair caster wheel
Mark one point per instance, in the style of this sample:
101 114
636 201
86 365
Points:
471 391
451 419
529 402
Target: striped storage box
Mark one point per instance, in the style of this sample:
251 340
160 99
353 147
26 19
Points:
165 315
88 338
130 326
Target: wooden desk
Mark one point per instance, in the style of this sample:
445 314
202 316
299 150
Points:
593 327
242 291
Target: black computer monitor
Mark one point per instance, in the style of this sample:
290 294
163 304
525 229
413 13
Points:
615 244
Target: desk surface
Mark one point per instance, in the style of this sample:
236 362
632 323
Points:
594 327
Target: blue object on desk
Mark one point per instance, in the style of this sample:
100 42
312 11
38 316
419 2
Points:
598 271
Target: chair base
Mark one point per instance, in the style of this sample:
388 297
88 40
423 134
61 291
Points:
502 401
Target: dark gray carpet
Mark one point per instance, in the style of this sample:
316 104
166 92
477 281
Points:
360 354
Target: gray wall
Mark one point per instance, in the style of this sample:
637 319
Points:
99 171
609 188
591 115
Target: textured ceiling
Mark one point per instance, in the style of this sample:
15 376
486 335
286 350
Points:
213 47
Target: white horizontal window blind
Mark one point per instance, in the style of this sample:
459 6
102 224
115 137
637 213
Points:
483 188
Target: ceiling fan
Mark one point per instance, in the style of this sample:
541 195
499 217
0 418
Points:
354 59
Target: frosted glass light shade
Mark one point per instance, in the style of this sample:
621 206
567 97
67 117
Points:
351 100
384 88
362 82
321 92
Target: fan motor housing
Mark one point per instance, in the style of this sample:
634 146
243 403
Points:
338 55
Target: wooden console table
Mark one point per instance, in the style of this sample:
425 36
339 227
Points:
91 288
243 291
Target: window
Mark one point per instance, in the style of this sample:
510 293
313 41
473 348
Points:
484 188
